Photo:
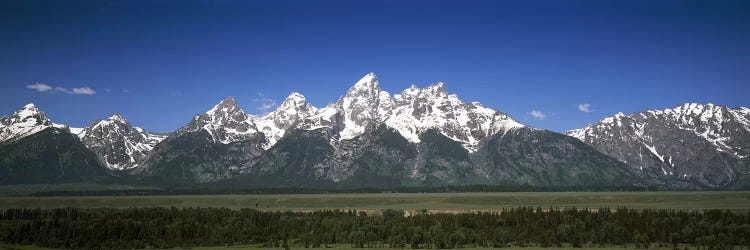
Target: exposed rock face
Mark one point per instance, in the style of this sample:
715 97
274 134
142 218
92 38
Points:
418 110
120 145
195 157
293 112
33 150
705 145
26 121
369 138
214 146
423 136
412 112
538 157
364 104
225 123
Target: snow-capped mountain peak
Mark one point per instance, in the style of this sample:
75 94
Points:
292 111
30 115
226 112
364 104
369 81
119 144
437 88
226 122
117 117
420 109
296 102
683 139
411 112
26 121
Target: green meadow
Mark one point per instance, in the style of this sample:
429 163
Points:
728 200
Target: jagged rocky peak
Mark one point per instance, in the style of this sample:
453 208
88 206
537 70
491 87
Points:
711 122
326 117
30 115
437 89
114 122
289 115
227 112
120 145
369 81
295 103
226 123
364 103
410 92
117 117
726 128
431 107
412 112
694 141
26 121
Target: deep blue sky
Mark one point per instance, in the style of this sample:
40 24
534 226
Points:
161 62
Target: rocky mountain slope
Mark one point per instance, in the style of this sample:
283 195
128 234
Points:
215 145
692 144
24 122
411 112
370 138
423 136
528 156
120 145
33 149
363 108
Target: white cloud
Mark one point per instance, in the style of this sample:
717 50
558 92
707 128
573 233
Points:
265 104
64 90
84 91
108 90
537 114
41 87
584 107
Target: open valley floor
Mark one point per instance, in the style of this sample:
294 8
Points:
437 202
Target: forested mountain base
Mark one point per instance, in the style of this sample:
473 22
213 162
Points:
107 228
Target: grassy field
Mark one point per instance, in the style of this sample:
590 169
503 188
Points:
346 246
736 200
29 189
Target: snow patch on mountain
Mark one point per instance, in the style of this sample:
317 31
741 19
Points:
26 121
76 131
120 145
226 123
710 122
292 112
421 109
411 112
364 104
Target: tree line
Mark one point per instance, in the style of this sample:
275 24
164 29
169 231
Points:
108 228
210 189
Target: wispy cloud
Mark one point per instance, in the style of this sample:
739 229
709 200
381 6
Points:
41 87
537 114
84 91
584 107
264 103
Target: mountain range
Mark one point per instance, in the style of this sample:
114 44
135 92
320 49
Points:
371 138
